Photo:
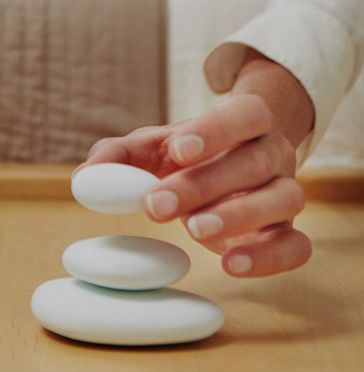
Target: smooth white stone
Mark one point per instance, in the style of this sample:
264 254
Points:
126 262
85 312
112 188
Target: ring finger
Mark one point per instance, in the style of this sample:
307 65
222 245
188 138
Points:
278 201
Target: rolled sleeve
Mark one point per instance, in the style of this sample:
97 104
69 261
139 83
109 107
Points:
310 43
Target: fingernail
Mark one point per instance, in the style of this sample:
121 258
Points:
187 147
205 225
162 204
240 264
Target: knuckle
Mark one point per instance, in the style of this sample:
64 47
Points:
249 214
217 247
196 186
291 158
104 142
293 192
263 118
262 164
214 119
138 131
289 155
144 130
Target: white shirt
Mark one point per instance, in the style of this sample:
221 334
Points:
320 41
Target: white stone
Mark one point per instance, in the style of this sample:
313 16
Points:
112 188
85 312
126 262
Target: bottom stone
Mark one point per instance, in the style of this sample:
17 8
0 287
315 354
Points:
85 312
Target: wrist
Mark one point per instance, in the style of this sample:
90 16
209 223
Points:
292 108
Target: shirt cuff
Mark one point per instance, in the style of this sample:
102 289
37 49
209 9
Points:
313 45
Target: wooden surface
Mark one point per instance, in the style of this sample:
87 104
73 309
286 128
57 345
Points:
45 180
333 184
35 181
311 319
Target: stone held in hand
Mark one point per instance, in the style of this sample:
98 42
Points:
112 188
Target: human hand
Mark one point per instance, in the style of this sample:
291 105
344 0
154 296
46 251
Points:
229 175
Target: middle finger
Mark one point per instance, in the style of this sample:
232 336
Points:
246 167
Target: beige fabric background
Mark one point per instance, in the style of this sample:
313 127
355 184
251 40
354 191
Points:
197 26
74 71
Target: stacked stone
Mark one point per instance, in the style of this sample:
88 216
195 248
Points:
118 290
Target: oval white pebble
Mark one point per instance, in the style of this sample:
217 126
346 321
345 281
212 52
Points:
126 262
85 312
112 188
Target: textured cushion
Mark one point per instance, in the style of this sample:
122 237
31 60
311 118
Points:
74 71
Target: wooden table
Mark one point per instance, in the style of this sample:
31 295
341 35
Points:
311 319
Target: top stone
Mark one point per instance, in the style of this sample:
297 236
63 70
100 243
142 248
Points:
112 188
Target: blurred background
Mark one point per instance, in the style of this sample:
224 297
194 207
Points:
72 72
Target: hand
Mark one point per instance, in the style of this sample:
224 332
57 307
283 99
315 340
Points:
229 174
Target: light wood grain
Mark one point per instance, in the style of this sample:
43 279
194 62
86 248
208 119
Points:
311 319
35 181
333 183
46 180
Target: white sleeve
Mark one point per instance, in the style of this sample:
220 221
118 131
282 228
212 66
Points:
321 42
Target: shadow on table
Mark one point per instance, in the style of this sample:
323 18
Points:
215 341
323 316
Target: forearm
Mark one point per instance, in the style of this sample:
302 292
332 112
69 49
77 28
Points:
291 106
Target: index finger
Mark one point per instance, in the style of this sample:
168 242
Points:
235 120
